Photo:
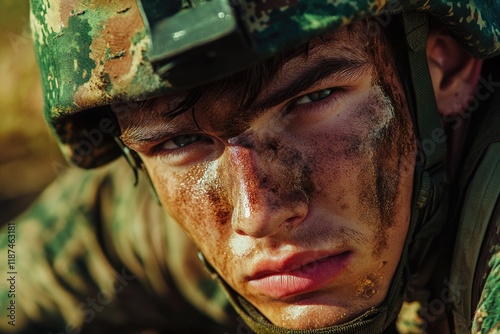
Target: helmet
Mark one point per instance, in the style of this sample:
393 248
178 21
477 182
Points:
93 54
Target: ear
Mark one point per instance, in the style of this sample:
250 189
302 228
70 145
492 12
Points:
454 72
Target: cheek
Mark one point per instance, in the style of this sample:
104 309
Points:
342 148
357 157
197 201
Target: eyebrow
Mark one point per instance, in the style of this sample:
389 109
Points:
140 134
342 67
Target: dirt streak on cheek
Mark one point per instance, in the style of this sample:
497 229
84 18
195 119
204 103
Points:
395 144
391 144
363 155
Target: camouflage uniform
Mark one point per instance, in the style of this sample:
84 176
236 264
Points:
112 259
112 236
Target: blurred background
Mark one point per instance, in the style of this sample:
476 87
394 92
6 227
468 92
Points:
29 157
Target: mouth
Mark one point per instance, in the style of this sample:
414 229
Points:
289 277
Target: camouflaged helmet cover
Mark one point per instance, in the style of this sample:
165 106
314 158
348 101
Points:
93 54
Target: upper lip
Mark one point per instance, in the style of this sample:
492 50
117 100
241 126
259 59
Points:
285 264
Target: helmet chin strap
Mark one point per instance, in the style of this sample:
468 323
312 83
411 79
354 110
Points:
429 202
430 186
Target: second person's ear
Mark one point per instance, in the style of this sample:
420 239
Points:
454 72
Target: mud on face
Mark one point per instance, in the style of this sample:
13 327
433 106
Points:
346 166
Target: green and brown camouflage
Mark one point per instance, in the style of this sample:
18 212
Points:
487 315
113 259
93 54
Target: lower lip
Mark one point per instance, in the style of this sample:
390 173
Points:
311 277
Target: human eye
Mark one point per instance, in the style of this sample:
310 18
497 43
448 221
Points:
320 99
182 141
185 149
314 96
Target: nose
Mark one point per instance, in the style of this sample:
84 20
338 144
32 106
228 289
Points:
266 202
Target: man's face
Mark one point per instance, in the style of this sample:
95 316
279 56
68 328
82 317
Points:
301 200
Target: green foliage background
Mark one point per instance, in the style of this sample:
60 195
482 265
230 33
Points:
29 157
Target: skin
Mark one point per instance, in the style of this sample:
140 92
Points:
324 173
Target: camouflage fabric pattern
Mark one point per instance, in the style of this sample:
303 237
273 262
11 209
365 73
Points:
111 262
487 317
95 53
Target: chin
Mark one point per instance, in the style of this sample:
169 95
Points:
320 310
312 316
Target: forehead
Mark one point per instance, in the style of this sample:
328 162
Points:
350 43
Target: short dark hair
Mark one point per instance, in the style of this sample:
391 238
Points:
247 84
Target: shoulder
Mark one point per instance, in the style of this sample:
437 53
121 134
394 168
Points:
476 262
487 315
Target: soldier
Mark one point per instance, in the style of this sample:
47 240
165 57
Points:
329 160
